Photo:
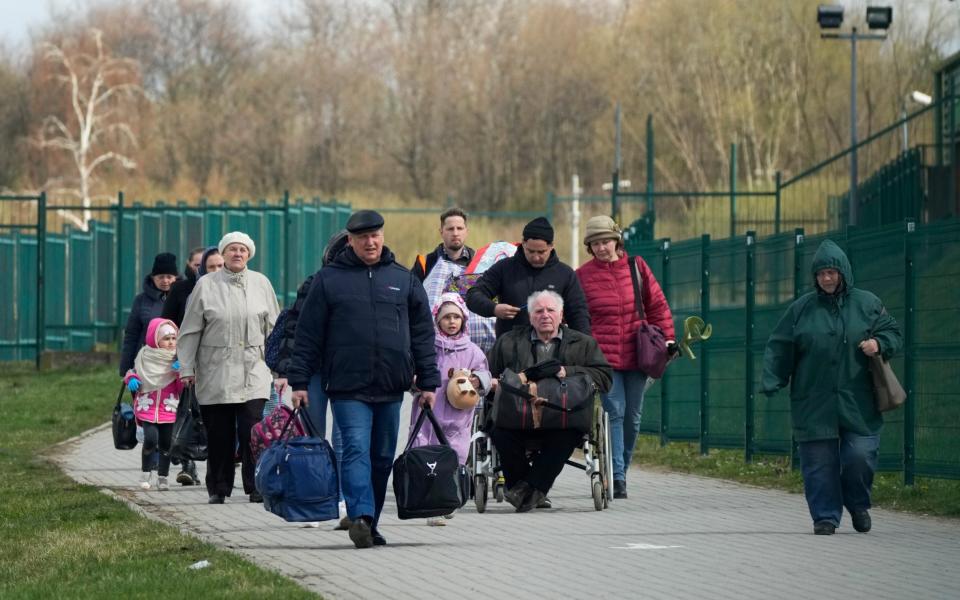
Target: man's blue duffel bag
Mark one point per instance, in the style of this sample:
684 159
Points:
298 477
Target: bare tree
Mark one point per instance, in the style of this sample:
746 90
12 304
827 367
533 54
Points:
94 130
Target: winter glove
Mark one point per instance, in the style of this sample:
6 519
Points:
176 365
134 384
547 368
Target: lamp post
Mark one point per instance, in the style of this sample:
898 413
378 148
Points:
919 98
830 16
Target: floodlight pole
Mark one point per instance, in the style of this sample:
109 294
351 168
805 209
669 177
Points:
853 36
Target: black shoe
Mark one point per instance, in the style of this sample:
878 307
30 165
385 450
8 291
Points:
256 498
619 489
861 520
824 528
184 478
344 524
378 539
534 499
518 494
360 533
193 473
215 499
545 503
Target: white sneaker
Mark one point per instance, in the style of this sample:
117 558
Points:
162 484
309 524
342 508
436 521
145 479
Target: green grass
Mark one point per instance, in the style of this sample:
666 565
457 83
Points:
940 497
63 539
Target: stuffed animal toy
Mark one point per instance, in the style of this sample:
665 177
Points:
460 392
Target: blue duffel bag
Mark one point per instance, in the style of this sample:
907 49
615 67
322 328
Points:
297 477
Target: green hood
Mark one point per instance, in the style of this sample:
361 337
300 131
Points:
830 256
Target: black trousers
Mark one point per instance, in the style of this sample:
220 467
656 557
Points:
156 436
542 469
228 424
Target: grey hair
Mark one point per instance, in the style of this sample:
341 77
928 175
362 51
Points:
557 298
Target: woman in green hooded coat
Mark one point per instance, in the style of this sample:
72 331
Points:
821 348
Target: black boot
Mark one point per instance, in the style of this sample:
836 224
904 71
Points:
619 489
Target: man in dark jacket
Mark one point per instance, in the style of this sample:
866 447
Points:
366 326
821 347
519 350
536 268
453 246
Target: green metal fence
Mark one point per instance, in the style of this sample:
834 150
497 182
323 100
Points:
743 285
88 279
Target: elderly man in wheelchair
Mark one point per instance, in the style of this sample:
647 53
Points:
548 375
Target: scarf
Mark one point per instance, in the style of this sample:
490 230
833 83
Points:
153 368
239 279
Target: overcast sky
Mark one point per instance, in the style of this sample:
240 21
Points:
18 17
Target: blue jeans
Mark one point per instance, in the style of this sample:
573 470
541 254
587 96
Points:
369 431
317 410
624 404
838 473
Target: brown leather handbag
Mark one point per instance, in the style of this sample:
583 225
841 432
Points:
887 390
652 355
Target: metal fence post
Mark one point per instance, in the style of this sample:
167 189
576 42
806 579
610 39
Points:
41 260
798 287
733 190
748 426
118 237
285 281
776 204
909 359
665 381
704 353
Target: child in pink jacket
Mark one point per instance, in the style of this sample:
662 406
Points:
155 382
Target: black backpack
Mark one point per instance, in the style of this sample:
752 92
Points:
271 350
429 481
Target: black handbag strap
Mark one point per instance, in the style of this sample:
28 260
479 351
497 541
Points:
120 395
530 397
637 288
426 413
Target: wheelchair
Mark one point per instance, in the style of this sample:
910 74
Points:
485 470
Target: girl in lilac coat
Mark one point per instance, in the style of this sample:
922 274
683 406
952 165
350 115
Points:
454 351
156 386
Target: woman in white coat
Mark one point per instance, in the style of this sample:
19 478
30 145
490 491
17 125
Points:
228 318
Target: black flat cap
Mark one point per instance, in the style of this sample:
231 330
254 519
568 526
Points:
364 220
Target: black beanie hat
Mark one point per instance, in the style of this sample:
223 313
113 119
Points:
165 264
538 229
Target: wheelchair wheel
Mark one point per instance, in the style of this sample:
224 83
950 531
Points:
598 494
608 462
480 493
498 491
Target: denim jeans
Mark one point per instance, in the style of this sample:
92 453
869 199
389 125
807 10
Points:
369 431
624 405
838 473
317 410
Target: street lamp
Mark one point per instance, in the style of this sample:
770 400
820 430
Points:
830 16
918 98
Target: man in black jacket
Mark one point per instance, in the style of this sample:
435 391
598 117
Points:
453 246
533 269
366 327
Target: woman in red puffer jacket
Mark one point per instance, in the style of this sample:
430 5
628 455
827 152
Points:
614 320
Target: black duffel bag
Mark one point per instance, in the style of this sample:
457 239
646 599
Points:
429 481
569 402
124 424
189 438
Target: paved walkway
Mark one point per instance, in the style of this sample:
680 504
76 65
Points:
676 537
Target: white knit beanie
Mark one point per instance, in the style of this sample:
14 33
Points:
237 237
